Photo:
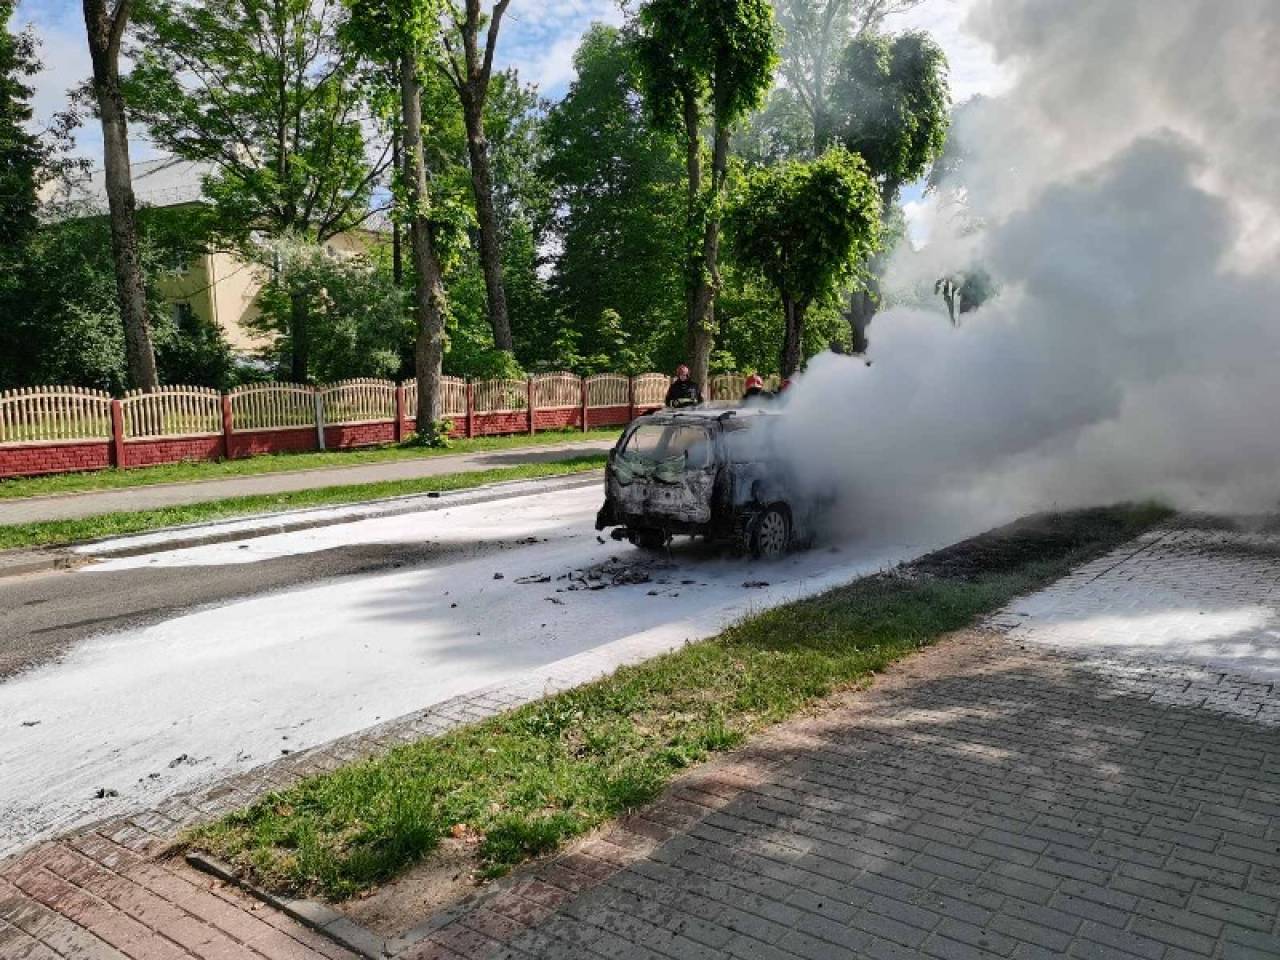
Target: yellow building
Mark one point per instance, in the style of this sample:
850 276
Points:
217 286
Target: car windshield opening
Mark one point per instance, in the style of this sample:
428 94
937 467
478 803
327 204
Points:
653 441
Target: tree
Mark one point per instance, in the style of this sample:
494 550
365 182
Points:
618 215
399 33
264 92
22 155
814 32
60 313
470 79
889 102
358 315
804 226
105 27
700 60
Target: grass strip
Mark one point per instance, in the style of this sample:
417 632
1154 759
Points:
49 533
277 463
530 779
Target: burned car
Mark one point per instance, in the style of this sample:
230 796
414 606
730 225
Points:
707 472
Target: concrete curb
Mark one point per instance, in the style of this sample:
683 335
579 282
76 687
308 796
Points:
42 560
317 916
20 563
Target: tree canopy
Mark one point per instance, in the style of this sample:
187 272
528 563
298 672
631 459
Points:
700 60
22 155
805 226
890 103
264 91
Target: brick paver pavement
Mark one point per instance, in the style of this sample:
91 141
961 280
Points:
995 796
71 505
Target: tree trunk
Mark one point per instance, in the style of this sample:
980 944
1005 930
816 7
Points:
397 247
104 34
793 336
702 324
428 289
490 241
864 304
299 337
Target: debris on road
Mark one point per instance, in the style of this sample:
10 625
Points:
104 793
534 578
614 573
31 723
755 584
498 576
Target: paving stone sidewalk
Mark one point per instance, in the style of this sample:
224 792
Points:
1000 795
72 505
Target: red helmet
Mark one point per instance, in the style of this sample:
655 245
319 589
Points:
682 370
755 381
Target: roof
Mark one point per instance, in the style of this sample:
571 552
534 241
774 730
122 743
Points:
713 412
164 182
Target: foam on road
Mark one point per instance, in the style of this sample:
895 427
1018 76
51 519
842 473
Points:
214 692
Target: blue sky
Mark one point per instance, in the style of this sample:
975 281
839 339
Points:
538 38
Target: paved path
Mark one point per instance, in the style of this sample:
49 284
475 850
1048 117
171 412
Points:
1000 795
72 505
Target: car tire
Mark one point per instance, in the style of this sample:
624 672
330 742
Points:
771 534
649 539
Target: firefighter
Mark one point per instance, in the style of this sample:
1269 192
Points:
755 389
683 392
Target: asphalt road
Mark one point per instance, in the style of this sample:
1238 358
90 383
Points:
42 616
143 676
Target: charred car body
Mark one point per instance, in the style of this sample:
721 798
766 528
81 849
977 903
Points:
707 472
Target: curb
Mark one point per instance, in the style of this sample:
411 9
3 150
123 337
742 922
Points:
42 560
20 563
313 914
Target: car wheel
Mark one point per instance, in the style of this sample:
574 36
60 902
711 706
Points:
649 539
772 535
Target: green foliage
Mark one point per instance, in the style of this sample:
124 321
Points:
890 103
805 225
22 155
358 319
617 196
383 30
721 51
263 91
60 317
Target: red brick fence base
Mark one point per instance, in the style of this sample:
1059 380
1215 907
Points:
48 430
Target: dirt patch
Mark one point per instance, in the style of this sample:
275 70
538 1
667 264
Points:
445 878
1014 545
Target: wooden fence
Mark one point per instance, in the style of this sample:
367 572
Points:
608 390
45 414
272 406
500 396
358 401
172 412
650 389
60 429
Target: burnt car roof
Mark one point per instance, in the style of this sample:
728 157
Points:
707 414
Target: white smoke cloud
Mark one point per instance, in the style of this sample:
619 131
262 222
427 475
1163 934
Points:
1132 202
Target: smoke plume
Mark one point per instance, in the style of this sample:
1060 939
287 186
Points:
1131 199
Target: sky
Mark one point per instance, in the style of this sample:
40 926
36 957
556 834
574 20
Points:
538 38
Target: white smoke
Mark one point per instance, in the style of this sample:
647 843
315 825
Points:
1131 195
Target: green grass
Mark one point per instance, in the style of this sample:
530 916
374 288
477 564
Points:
276 463
532 778
59 532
